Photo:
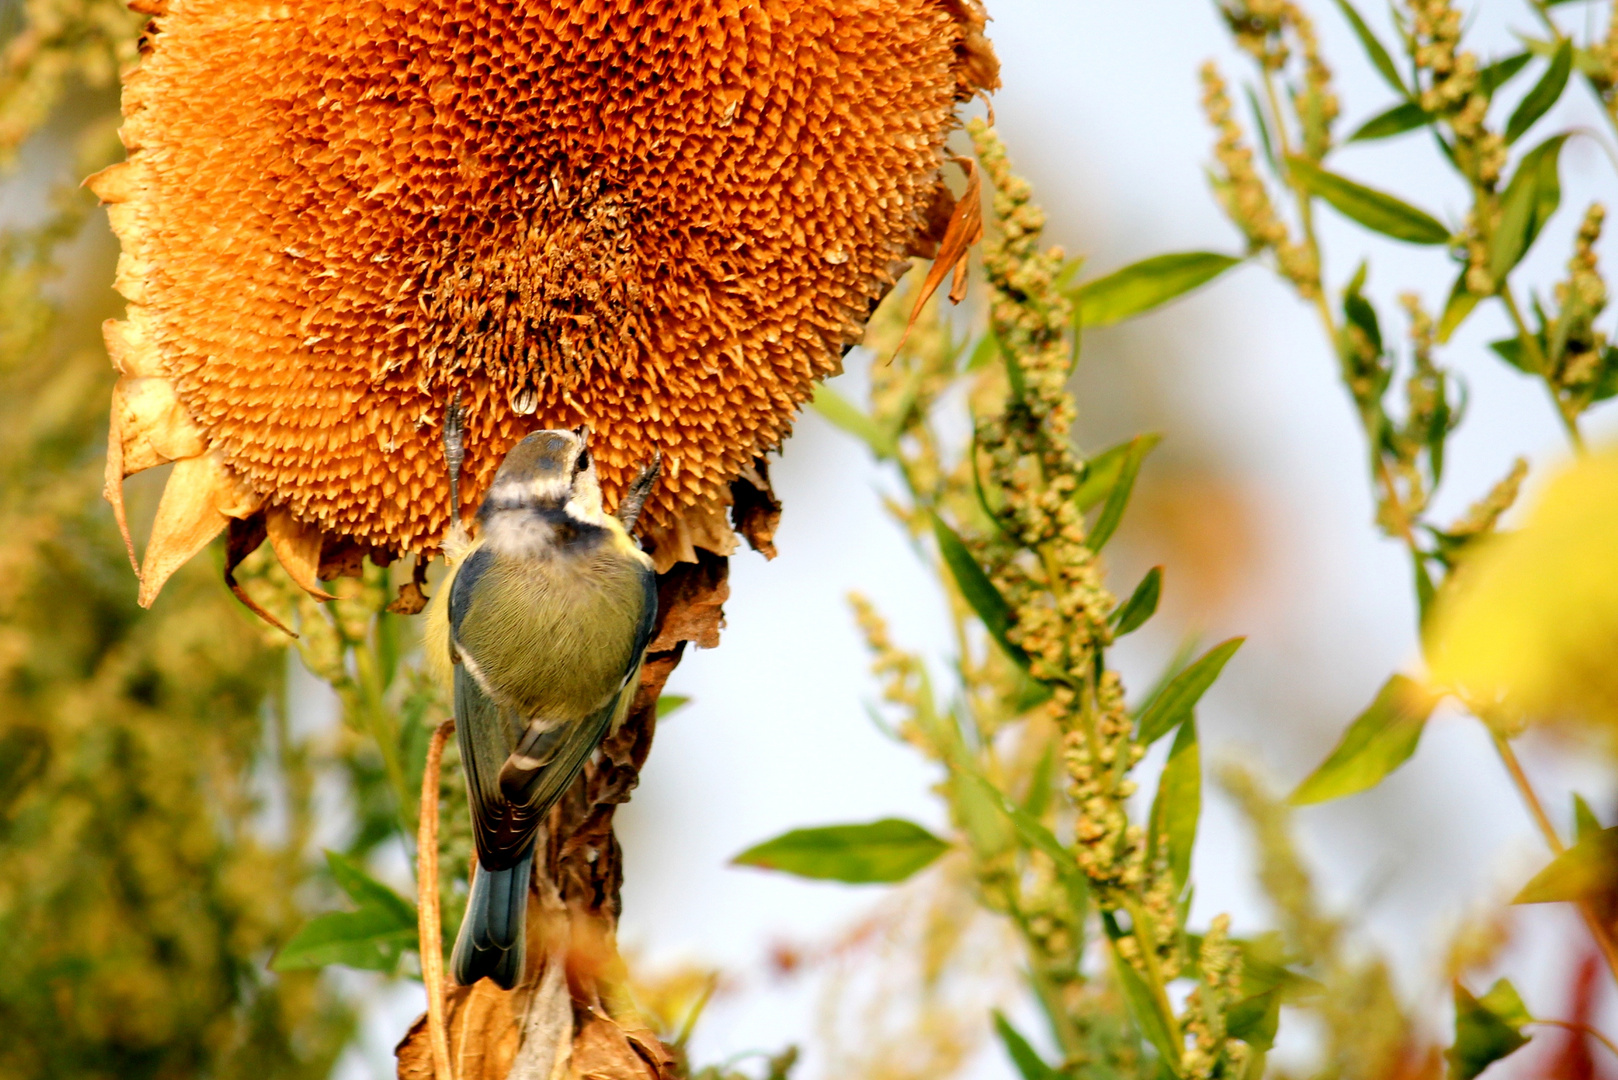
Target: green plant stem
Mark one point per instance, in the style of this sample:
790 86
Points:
1145 937
1582 1029
1536 809
374 714
1570 421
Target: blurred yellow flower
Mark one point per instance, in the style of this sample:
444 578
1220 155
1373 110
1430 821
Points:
1531 620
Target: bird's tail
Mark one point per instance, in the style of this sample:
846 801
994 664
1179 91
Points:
490 943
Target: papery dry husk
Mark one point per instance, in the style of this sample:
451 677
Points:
662 218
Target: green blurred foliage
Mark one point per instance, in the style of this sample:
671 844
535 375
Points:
154 808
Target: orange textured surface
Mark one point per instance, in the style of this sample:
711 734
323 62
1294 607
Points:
663 218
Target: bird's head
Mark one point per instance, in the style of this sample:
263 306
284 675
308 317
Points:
548 469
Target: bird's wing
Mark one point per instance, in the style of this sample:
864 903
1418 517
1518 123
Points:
486 733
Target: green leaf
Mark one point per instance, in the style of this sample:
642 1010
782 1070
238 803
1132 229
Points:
1456 308
1030 1066
1102 471
1142 286
1182 693
1504 1001
1255 1019
1112 512
1538 101
1481 1037
841 413
884 851
371 938
1585 822
1502 71
1178 804
1584 871
1141 605
1030 828
1373 48
977 590
1148 1013
670 703
366 891
1406 116
1511 351
1376 210
1378 741
985 352
1530 199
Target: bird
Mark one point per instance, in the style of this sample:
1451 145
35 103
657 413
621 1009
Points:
538 632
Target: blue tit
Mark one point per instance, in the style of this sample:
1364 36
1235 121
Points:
540 630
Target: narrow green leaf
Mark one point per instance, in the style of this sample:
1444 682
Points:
1378 741
369 939
1030 1066
670 703
1481 1037
366 891
1456 308
1261 125
976 589
1586 870
1112 512
1030 828
1406 116
1182 693
1144 1006
883 851
1530 199
1178 803
1373 48
841 413
1141 605
1102 471
1142 286
985 352
1585 822
1376 210
1538 101
1501 72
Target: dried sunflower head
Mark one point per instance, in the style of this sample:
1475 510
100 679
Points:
661 218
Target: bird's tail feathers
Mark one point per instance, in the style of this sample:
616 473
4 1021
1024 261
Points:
490 944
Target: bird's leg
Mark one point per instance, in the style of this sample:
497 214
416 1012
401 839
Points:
640 488
455 538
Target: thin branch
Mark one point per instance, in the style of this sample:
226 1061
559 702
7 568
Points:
1582 1029
1508 756
429 925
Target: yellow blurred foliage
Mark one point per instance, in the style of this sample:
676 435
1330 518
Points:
1530 622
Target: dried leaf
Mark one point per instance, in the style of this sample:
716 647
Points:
153 427
964 232
297 544
200 498
690 604
241 540
755 512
